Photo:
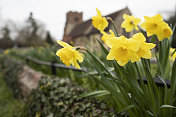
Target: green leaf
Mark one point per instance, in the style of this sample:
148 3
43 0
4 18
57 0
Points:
95 93
99 63
173 78
168 106
162 80
116 33
150 113
102 46
95 72
127 108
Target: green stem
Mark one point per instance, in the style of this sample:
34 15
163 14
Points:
113 25
99 63
116 33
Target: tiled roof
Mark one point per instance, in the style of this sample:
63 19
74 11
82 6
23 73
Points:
81 29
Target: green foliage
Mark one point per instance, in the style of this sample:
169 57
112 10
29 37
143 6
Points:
59 98
5 41
31 33
9 106
48 54
48 38
10 68
131 96
54 96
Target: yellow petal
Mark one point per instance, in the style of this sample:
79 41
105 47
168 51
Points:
122 63
167 32
98 13
136 27
139 37
79 57
134 57
63 44
107 36
148 55
150 34
111 32
133 45
136 21
123 25
111 54
75 63
158 17
99 22
150 45
126 17
114 41
143 25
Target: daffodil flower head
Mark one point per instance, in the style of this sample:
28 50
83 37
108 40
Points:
69 55
171 55
156 25
123 50
165 31
99 22
107 36
6 51
145 48
38 114
130 23
151 24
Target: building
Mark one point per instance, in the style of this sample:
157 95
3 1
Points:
83 33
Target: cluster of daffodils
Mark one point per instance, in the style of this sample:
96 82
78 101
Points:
122 49
156 26
153 26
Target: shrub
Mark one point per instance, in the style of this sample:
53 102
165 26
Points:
10 68
59 98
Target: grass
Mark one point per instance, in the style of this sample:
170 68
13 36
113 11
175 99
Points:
9 106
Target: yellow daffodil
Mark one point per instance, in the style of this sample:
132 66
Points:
130 23
145 48
6 51
38 114
165 31
69 55
156 25
172 57
41 87
151 23
48 84
123 49
107 36
71 42
99 22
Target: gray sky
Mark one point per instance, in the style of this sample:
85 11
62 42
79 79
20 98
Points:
52 12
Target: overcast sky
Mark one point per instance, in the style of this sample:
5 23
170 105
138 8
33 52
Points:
52 12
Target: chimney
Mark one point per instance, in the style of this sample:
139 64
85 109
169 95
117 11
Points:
72 19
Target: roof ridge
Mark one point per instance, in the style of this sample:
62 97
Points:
82 27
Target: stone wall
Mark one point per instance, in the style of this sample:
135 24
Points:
88 41
21 78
